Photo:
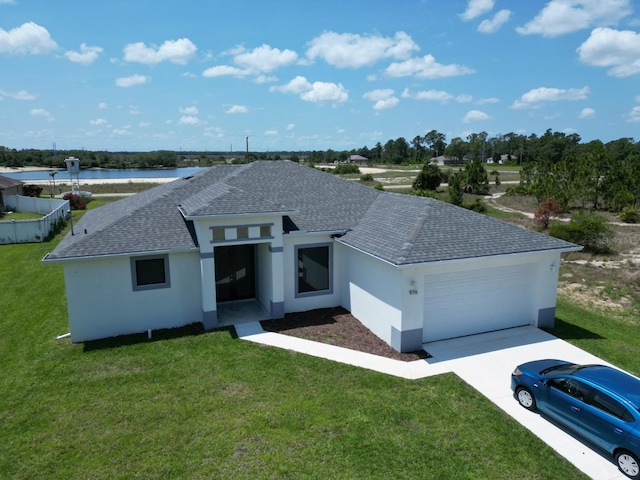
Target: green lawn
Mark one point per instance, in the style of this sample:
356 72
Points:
190 404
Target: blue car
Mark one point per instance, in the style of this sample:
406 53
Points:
597 402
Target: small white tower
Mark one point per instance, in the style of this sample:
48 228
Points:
73 167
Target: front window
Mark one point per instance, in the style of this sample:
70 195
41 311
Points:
313 269
150 272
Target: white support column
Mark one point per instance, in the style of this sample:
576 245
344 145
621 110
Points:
277 282
208 282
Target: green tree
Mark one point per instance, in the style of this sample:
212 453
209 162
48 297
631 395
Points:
455 190
456 150
429 178
476 178
436 142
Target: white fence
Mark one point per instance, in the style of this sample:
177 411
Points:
28 231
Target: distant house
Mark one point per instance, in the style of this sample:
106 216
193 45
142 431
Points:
255 241
357 159
9 186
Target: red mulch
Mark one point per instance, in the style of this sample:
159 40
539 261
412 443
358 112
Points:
336 326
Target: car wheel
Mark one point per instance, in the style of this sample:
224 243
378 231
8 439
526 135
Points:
628 464
526 398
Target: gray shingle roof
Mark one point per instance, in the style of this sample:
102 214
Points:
400 229
404 229
6 182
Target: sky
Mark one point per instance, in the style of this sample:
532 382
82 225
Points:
297 75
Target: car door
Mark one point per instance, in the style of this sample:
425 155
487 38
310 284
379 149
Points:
605 421
565 400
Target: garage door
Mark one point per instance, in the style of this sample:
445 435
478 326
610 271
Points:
476 301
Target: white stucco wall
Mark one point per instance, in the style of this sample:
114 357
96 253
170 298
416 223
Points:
102 303
372 292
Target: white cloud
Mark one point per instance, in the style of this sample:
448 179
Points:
316 92
475 8
298 85
132 81
41 112
617 49
587 113
223 70
86 56
533 98
484 101
494 24
291 126
256 62
425 67
264 59
27 38
326 92
436 96
383 98
193 110
237 109
102 106
475 116
144 124
463 98
21 95
429 95
176 51
349 50
634 115
271 133
98 121
189 120
559 17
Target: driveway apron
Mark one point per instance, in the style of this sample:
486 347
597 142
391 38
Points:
486 361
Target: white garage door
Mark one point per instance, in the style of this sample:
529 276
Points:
470 302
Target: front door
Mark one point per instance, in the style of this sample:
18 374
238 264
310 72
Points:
235 272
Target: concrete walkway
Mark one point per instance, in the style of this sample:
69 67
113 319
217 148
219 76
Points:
485 362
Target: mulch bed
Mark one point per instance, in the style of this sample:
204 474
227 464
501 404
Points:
336 326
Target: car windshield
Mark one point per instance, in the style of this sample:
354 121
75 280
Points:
564 369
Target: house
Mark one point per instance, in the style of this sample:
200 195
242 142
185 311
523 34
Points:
278 237
359 159
9 186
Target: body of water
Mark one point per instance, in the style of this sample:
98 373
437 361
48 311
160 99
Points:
103 174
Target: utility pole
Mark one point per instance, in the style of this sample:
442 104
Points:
247 156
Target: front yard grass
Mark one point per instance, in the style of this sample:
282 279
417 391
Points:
189 404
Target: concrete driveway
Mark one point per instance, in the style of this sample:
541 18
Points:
486 361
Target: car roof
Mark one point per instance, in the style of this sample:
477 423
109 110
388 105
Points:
614 380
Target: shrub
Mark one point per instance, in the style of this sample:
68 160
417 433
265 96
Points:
367 177
547 209
423 193
587 229
630 215
346 168
31 190
477 206
378 186
76 201
517 190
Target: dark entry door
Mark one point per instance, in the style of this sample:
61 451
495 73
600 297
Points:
235 272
